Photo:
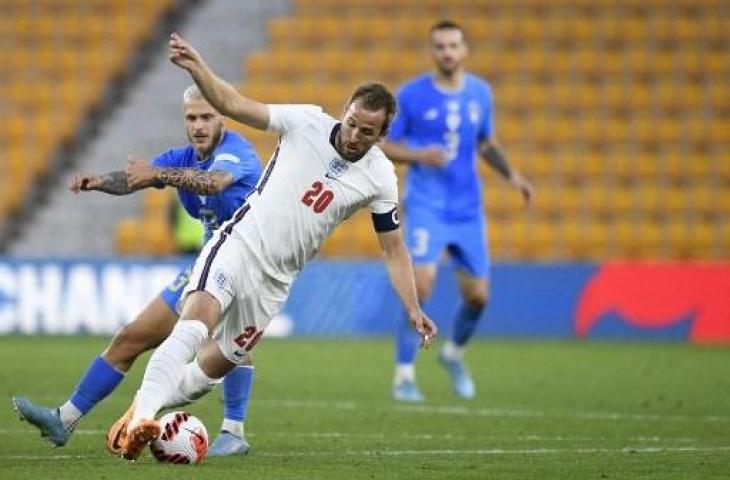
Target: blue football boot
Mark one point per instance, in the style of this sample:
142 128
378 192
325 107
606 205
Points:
407 391
227 443
44 419
461 380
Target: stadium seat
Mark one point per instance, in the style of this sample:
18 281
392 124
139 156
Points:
59 56
156 237
616 109
156 203
127 236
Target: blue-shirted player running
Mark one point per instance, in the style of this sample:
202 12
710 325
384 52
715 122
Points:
445 119
213 175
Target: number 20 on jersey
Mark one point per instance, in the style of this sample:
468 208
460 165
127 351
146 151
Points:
318 197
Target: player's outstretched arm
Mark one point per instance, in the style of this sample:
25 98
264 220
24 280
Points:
431 156
114 183
141 174
221 95
401 276
491 151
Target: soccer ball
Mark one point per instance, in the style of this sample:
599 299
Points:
183 439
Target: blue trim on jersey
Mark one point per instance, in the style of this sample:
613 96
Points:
235 155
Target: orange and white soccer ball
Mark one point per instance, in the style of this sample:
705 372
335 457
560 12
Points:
183 439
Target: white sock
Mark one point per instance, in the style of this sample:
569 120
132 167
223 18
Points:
404 372
194 384
452 351
233 426
167 365
70 415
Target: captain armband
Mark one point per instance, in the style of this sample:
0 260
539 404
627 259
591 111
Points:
386 222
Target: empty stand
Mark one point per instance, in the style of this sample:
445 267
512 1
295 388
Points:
56 58
617 109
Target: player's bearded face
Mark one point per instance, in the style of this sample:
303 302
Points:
361 128
448 50
204 126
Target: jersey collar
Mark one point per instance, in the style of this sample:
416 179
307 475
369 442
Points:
449 91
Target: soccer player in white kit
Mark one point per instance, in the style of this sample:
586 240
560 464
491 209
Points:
322 172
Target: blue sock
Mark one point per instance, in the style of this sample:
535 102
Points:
407 340
237 386
99 381
465 323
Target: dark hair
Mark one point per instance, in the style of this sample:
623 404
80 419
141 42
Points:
448 25
374 97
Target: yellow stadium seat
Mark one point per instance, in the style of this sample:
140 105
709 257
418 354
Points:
156 237
58 59
127 236
156 203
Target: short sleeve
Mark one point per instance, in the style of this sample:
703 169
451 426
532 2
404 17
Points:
486 129
165 159
284 118
239 163
387 197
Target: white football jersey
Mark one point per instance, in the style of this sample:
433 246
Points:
307 190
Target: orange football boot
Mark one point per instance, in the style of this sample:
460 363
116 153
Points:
138 436
117 434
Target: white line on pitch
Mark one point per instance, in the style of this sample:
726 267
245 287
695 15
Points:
46 457
82 431
500 451
505 412
497 412
398 453
410 436
451 436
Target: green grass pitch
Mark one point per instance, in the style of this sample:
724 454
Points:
321 409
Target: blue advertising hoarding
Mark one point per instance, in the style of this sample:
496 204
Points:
354 298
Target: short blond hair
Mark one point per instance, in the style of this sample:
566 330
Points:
192 94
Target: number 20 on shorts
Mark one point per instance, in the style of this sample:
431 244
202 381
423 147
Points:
317 197
249 338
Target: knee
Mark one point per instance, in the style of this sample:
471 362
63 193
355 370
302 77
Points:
128 343
246 360
476 300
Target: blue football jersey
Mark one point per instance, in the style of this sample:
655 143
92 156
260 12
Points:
457 121
234 155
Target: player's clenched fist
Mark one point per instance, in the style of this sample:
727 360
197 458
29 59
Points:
426 327
84 181
182 53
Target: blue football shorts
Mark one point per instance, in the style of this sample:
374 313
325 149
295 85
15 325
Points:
172 293
428 234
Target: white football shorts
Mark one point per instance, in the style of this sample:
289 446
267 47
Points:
248 297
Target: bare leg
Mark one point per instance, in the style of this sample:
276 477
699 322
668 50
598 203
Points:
147 331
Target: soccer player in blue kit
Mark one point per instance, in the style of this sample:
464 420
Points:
445 119
213 175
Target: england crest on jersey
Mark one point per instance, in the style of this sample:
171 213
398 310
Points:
337 167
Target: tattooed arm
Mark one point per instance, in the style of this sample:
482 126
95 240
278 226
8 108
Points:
141 174
114 183
492 153
197 181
